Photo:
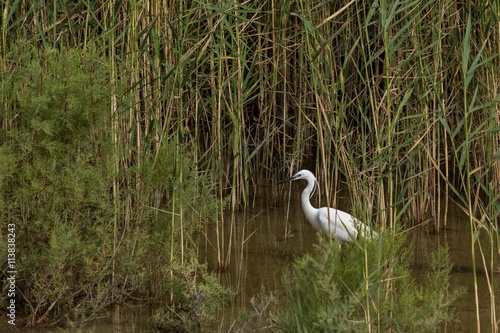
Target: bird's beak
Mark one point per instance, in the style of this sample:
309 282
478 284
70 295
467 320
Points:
288 179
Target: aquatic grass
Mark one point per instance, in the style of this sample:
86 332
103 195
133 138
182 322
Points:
474 176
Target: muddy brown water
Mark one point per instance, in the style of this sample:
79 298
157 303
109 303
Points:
260 244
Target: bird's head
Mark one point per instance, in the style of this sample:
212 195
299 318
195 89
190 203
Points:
302 174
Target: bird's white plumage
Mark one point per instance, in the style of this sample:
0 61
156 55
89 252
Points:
338 225
333 222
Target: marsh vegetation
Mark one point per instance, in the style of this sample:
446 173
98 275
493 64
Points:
127 128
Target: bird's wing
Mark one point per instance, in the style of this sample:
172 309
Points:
339 224
363 229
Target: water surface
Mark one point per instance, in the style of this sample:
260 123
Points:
259 244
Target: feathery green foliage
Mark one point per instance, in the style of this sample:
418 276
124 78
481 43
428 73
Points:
58 157
330 290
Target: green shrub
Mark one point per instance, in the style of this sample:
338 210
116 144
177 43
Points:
338 290
93 223
194 297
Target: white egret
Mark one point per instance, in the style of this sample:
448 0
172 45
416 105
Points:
333 222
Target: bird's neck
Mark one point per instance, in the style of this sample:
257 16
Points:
306 194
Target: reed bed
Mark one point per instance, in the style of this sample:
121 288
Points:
398 100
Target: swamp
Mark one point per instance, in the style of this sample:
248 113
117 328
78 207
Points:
141 143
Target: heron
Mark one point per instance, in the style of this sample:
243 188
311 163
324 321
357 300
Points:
332 222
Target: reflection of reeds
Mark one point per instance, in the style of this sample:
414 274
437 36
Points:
399 100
